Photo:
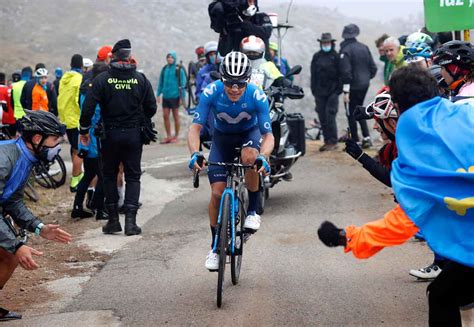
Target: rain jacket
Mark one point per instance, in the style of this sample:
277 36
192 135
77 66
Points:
203 77
16 162
172 81
26 98
17 89
68 99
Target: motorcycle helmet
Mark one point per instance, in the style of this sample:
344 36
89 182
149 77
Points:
253 47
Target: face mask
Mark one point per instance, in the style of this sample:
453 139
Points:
47 154
250 11
326 48
212 59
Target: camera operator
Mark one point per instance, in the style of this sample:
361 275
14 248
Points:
237 19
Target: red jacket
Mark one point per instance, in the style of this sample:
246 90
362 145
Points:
6 100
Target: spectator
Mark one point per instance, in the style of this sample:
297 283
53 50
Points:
32 88
17 89
235 20
69 113
8 117
326 87
357 68
383 58
58 72
171 86
394 53
87 65
285 66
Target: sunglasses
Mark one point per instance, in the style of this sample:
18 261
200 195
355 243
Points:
232 84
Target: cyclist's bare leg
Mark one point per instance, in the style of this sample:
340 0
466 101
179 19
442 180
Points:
8 264
216 194
177 124
249 155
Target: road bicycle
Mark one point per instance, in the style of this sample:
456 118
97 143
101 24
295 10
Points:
231 235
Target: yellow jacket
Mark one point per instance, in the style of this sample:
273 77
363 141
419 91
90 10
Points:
68 100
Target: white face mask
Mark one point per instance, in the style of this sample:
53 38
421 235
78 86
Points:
250 11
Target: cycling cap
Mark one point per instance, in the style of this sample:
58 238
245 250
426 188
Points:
236 67
41 122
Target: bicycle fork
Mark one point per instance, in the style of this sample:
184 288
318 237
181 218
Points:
227 191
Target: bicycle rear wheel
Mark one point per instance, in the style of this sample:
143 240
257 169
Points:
223 246
236 258
53 175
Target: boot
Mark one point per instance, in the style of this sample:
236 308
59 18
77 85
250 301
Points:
101 214
131 227
113 225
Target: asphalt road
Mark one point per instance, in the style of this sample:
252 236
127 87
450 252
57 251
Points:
288 276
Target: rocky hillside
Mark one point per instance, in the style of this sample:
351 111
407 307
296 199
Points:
51 31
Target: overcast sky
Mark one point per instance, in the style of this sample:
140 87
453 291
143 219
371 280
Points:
372 9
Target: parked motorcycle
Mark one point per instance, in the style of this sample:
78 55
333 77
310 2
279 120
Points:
289 133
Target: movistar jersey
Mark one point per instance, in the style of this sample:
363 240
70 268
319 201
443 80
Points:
234 117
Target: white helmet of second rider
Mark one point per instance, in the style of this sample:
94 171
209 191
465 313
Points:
253 47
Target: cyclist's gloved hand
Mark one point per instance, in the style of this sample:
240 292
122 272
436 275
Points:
360 113
330 235
262 165
353 149
197 161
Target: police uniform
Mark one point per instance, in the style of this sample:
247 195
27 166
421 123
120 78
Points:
126 98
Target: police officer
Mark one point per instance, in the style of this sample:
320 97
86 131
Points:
126 100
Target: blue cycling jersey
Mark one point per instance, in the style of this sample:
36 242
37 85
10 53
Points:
251 110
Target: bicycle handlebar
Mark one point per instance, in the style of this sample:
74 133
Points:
221 164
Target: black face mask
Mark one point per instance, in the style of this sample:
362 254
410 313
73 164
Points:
47 154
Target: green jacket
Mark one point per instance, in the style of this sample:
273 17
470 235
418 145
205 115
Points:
16 94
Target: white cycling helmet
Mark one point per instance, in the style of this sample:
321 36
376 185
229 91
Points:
236 68
87 63
382 107
210 46
253 44
41 72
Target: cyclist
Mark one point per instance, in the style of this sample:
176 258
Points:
456 59
210 52
241 120
264 73
41 132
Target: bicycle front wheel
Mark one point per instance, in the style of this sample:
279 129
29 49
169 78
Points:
223 246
